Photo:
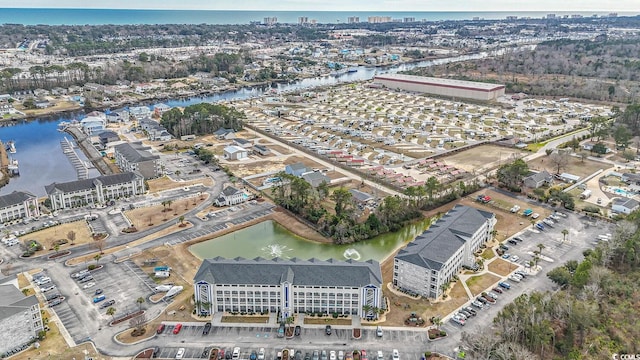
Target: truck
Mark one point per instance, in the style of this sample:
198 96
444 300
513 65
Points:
161 268
585 194
162 274
527 212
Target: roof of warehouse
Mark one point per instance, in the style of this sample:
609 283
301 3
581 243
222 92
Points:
458 84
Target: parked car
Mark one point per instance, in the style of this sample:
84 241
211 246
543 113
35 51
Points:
206 329
236 353
85 279
498 290
514 278
160 329
504 285
176 329
493 295
180 353
107 304
253 355
458 320
461 315
261 354
517 238
521 273
89 285
481 299
470 311
327 329
97 299
47 288
477 304
514 258
332 355
513 242
395 354
535 216
379 331
506 255
297 330
98 292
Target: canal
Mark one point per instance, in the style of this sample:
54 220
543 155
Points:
269 239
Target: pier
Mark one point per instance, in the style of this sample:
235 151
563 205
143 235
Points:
81 168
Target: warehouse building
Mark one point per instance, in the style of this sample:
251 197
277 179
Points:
442 87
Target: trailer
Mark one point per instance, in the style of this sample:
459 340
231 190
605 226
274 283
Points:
161 268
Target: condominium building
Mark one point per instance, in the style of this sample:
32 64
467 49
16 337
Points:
436 255
20 318
18 205
289 286
136 157
96 191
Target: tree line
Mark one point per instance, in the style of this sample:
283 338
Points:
200 119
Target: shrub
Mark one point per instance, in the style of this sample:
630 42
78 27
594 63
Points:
92 267
432 336
427 354
335 315
443 333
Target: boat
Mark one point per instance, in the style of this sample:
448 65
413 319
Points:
11 147
352 69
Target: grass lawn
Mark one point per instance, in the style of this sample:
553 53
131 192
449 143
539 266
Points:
126 337
488 254
502 267
47 236
326 321
146 217
22 281
245 319
165 183
575 166
480 283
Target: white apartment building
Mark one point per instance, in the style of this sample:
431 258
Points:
289 286
18 205
94 191
20 318
231 196
436 255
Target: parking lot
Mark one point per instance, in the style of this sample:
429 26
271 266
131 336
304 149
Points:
249 339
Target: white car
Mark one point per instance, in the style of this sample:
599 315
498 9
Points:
236 353
180 353
535 216
332 355
48 288
396 354
340 355
515 258
514 278
261 354
89 285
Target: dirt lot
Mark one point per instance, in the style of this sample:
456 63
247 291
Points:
508 223
146 217
484 156
575 166
502 267
480 283
164 183
47 236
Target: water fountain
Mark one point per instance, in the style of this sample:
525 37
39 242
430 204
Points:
276 250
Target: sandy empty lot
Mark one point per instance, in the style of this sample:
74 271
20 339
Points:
483 157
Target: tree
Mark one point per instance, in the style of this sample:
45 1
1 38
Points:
559 160
560 276
56 247
511 175
341 197
431 185
564 232
100 244
599 148
97 258
181 219
71 236
140 301
622 137
111 311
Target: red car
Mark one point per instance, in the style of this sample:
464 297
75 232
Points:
177 329
221 354
363 355
160 329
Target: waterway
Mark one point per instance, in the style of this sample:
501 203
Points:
38 141
269 239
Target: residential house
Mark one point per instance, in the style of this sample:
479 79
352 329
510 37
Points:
231 196
232 152
118 116
136 157
624 205
633 180
225 134
92 125
436 255
360 196
289 287
315 178
108 137
42 104
160 109
243 143
538 179
154 131
569 178
261 149
20 317
589 147
296 169
95 191
18 205
140 112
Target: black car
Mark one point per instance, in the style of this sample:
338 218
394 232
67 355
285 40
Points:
98 292
107 304
513 242
327 329
156 350
297 330
53 296
516 238
482 300
207 328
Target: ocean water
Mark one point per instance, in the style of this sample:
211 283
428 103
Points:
121 17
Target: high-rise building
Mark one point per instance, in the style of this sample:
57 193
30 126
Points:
302 20
270 20
353 19
379 19
409 19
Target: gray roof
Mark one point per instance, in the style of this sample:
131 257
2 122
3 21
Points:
540 176
626 202
315 176
260 147
223 131
360 196
241 141
436 245
108 134
297 166
135 152
86 184
13 301
16 197
314 272
230 190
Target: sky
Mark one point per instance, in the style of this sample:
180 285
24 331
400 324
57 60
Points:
340 5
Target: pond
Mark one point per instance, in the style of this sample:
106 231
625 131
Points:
269 239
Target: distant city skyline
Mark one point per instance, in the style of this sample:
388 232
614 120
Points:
340 5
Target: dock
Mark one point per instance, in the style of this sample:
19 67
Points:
81 168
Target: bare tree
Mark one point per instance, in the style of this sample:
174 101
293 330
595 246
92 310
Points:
100 244
559 160
71 236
